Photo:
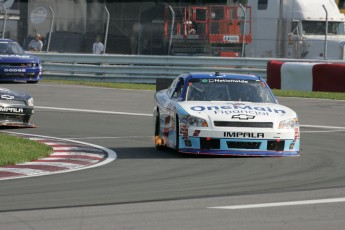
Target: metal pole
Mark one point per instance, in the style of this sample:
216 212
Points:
326 32
106 28
5 20
139 33
51 28
244 29
171 28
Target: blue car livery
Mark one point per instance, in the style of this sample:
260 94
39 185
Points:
16 65
224 114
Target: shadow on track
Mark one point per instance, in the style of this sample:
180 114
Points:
153 153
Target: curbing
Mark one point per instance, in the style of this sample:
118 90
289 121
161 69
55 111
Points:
67 156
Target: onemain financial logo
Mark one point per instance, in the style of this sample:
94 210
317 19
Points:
227 81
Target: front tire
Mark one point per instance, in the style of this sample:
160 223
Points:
158 139
177 135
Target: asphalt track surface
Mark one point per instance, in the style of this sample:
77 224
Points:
150 189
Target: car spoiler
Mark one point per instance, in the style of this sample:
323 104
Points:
163 83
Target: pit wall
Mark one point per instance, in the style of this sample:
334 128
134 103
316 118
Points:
306 76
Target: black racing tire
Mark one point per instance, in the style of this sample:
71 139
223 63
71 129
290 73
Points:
157 128
32 82
177 136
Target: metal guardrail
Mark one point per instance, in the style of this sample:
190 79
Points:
141 68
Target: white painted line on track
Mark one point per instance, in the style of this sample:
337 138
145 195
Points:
111 156
94 111
282 204
322 127
95 138
328 131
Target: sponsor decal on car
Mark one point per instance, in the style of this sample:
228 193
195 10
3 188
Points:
11 110
227 81
244 135
14 70
228 109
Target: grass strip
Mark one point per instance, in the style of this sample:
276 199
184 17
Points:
115 85
305 94
280 93
14 150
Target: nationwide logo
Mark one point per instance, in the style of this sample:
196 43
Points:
243 117
228 81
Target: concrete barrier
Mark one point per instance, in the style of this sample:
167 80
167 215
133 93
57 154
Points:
329 77
306 76
273 74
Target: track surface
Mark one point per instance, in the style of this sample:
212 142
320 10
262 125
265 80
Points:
148 189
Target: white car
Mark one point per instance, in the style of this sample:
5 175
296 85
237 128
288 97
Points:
224 114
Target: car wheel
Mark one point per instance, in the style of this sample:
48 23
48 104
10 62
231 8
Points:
177 134
32 82
158 140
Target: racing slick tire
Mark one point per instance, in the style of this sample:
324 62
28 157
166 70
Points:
32 82
158 140
177 134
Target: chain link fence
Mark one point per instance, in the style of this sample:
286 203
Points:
146 27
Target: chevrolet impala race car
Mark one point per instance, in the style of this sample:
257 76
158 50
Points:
224 114
16 108
15 65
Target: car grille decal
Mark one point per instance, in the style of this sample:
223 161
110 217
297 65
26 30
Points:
243 124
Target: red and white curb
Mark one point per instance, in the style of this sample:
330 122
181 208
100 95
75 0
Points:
67 156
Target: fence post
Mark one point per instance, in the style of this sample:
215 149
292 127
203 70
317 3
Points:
51 28
106 28
5 19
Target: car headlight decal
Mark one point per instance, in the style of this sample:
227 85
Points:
31 102
289 124
197 122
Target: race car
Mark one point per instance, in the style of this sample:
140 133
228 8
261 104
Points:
16 109
224 114
16 65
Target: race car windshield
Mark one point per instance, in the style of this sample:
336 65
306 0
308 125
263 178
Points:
228 90
10 48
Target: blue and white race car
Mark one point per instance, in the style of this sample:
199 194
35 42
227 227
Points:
224 114
16 65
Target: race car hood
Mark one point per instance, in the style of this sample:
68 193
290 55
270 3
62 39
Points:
236 111
7 94
18 58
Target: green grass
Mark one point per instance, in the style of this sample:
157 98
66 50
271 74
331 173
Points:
303 94
106 84
15 150
280 93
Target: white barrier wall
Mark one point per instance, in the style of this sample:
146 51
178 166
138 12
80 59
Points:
297 76
306 76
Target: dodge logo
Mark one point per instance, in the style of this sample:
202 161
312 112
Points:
243 117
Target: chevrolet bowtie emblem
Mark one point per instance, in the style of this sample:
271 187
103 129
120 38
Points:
243 117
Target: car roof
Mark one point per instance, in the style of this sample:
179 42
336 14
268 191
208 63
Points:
196 75
6 40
